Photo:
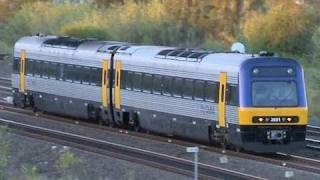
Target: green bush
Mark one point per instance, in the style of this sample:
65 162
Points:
44 17
4 152
30 172
286 27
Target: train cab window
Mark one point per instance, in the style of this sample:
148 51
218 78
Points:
157 84
212 91
199 90
137 81
147 83
188 89
232 95
177 87
37 67
29 67
167 86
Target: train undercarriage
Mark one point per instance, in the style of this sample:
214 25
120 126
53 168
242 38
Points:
260 139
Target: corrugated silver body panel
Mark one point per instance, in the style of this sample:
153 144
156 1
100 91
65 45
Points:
179 106
166 104
60 88
232 115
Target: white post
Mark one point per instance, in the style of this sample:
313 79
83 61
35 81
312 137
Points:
194 150
196 165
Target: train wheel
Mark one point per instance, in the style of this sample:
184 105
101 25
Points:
34 109
22 104
137 128
224 146
14 103
238 149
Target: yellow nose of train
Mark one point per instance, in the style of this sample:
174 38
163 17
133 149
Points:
273 116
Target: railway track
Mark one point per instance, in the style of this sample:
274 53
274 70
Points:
5 88
313 137
280 159
149 158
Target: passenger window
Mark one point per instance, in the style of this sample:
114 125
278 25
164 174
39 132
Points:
129 80
86 75
199 90
147 83
29 67
44 69
68 73
232 95
123 84
157 84
137 81
188 89
177 87
52 70
77 74
96 76
38 68
212 91
167 86
60 72
16 65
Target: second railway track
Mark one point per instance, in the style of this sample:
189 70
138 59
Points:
296 162
5 88
158 160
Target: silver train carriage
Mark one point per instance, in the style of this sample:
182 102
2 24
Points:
249 101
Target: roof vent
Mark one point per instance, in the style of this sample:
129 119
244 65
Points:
266 53
183 54
40 35
238 48
63 42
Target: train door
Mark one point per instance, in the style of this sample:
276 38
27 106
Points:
222 98
117 92
219 134
104 84
22 70
111 92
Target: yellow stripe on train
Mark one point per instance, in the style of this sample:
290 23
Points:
246 115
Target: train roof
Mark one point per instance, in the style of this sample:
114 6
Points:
94 50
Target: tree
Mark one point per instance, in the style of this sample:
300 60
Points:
285 27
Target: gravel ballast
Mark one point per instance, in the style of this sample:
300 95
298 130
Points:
261 169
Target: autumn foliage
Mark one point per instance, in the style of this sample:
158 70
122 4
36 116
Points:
287 27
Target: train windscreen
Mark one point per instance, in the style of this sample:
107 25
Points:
274 93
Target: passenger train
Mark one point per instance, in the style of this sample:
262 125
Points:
249 101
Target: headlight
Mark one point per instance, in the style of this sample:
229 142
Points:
255 71
290 71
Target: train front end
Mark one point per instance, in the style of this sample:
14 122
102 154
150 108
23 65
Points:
273 112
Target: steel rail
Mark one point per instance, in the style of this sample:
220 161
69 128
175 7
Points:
167 162
276 160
